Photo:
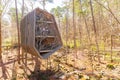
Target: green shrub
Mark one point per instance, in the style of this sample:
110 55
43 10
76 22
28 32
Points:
110 66
80 76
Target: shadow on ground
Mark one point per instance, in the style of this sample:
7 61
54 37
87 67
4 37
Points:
43 75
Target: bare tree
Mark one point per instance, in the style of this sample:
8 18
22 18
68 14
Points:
66 16
3 6
18 30
95 31
74 26
111 57
23 3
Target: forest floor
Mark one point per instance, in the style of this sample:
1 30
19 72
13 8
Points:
76 65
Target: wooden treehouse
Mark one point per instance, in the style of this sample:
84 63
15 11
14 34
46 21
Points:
39 33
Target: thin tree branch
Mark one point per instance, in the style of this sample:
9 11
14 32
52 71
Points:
108 9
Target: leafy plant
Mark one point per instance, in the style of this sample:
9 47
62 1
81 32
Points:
80 76
110 66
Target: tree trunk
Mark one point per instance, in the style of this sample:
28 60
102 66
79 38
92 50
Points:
1 61
0 39
17 22
22 51
86 25
43 4
80 33
0 36
66 34
111 48
23 8
95 32
74 26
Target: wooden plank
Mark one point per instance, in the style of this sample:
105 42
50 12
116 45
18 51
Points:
44 51
45 36
39 21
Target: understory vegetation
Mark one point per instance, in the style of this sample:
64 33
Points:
90 32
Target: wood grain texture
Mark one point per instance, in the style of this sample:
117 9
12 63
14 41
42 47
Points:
39 33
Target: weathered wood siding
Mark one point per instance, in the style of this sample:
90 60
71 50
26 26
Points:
39 33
